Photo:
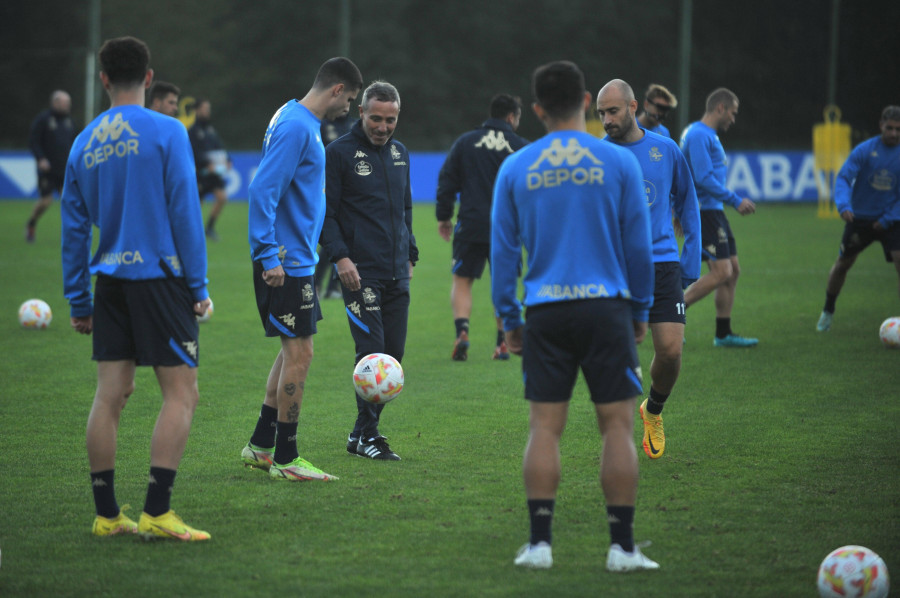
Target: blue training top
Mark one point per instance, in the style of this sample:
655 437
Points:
868 183
287 194
709 166
578 207
131 174
668 186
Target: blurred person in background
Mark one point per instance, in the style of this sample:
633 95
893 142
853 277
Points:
164 98
212 163
658 102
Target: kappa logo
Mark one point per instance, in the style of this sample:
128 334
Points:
655 154
307 292
360 154
110 131
571 154
288 319
98 482
190 347
174 262
363 168
281 253
395 153
495 141
720 234
354 307
368 295
711 250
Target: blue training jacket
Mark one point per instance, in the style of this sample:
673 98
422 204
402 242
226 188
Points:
709 166
578 207
669 186
131 174
868 183
287 194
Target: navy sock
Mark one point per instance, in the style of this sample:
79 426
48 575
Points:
723 327
285 442
159 491
264 434
829 302
501 336
462 325
621 523
655 402
105 493
540 511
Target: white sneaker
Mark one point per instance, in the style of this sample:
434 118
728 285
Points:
538 556
620 561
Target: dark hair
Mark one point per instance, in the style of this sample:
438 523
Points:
559 88
160 89
338 70
125 60
381 91
503 104
720 96
890 113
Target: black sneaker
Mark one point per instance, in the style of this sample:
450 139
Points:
376 448
352 444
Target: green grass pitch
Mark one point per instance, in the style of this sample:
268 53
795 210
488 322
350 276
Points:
775 455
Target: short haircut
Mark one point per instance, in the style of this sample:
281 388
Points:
160 89
660 91
558 88
890 113
503 104
381 91
720 96
125 60
338 70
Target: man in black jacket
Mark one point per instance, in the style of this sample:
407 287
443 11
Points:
368 235
470 170
212 163
51 138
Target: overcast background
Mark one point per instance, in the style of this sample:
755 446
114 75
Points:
449 57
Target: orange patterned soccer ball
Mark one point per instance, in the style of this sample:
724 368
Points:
35 314
378 378
890 333
853 572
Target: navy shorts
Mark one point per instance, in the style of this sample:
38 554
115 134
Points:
290 310
859 234
595 335
715 236
48 183
668 297
469 258
151 322
207 183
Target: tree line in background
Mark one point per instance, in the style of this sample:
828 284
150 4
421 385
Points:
448 58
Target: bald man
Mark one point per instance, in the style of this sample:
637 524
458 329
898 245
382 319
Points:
51 137
669 188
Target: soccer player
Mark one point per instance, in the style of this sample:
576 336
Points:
130 174
287 205
867 196
668 184
578 207
164 98
469 171
212 163
368 235
706 157
50 139
658 102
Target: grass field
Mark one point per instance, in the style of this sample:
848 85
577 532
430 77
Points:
776 455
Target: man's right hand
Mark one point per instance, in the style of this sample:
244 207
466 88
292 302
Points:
348 273
847 216
445 229
746 207
274 277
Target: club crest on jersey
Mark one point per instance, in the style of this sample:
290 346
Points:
363 168
494 141
395 153
883 180
368 295
307 292
655 154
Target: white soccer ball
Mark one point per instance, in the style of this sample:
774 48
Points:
35 314
890 333
853 572
207 314
378 378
